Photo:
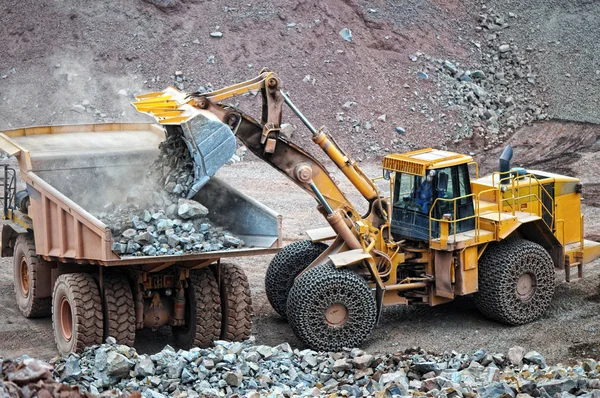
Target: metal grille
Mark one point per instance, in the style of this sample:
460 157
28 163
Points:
8 183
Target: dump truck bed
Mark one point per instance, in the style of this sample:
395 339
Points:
72 171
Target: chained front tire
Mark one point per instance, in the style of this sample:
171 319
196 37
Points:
516 281
285 267
329 309
202 311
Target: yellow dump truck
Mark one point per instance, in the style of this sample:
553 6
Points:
64 264
442 231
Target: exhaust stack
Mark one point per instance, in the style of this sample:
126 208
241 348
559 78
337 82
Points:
505 161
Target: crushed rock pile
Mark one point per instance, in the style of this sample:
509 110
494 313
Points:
157 217
249 370
495 98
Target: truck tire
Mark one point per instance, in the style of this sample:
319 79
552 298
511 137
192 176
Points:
76 313
119 309
27 269
516 281
236 303
329 309
202 311
285 267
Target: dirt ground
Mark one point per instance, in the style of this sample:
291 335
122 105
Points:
568 331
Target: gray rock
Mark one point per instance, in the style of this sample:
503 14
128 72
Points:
190 209
553 387
144 366
216 34
515 354
341 365
72 369
394 377
346 34
504 48
363 361
478 74
311 360
450 67
534 357
425 367
400 130
231 241
129 233
117 365
234 379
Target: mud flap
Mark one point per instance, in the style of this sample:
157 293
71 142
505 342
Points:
211 144
443 274
379 299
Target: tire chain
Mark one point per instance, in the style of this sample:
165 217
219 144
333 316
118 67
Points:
319 288
285 267
499 270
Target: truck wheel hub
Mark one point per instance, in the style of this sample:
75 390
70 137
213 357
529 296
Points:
24 274
526 286
336 315
66 319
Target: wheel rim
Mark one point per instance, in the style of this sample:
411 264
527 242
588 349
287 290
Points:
24 276
66 319
526 286
336 315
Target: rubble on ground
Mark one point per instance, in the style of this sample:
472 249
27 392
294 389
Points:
157 218
249 370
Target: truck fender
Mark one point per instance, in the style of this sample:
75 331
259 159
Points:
9 234
537 231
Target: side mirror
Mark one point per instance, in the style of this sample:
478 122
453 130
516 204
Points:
386 175
442 182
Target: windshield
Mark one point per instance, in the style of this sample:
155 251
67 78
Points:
413 192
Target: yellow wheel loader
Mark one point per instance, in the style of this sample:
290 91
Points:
441 232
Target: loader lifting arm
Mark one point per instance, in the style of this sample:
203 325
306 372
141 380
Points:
264 140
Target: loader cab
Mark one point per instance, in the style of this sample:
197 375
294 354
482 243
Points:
425 186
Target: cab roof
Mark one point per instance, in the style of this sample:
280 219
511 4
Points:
418 162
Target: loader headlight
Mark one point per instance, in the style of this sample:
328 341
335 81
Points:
578 187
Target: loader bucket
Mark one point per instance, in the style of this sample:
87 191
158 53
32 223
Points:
211 144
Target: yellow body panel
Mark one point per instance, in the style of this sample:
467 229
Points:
417 162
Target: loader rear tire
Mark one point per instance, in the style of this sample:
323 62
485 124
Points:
202 311
76 313
516 281
236 303
119 309
329 309
27 269
285 267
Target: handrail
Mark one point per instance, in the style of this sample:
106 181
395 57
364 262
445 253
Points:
476 168
513 198
454 220
501 202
